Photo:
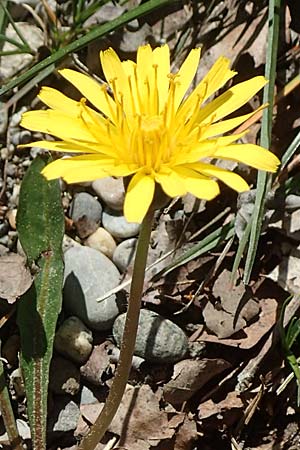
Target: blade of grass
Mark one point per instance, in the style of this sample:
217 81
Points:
290 151
210 242
264 179
17 30
94 34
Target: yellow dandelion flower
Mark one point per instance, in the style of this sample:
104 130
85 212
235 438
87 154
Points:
142 125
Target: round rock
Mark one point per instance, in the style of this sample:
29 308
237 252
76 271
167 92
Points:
111 191
158 339
117 225
102 241
74 340
124 254
89 275
85 205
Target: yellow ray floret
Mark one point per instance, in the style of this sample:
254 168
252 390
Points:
141 123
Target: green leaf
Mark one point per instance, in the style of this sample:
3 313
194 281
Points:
264 179
40 223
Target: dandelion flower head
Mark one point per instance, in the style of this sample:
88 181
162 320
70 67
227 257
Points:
142 125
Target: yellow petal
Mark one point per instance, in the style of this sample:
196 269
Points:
161 59
186 75
59 124
231 100
91 90
54 99
60 146
139 196
250 154
232 179
77 169
171 183
217 76
116 78
198 185
227 125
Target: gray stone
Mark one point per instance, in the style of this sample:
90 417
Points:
158 339
64 376
124 254
87 397
74 340
111 191
89 275
85 205
117 225
65 416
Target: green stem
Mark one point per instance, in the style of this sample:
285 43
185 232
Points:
128 342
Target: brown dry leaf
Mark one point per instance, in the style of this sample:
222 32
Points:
189 376
186 435
15 277
257 330
235 310
139 422
227 410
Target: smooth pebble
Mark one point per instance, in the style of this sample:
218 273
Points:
85 205
123 255
117 225
89 275
158 339
102 241
111 191
74 340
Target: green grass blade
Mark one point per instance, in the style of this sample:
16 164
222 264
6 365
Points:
290 151
263 179
91 36
207 244
40 224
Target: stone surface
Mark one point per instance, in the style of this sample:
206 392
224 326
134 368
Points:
102 241
124 254
158 339
64 376
89 275
117 225
111 191
85 211
74 340
65 415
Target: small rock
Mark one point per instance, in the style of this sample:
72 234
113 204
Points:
117 225
124 254
86 213
17 381
111 191
87 397
65 416
74 340
64 377
89 275
158 339
11 216
102 241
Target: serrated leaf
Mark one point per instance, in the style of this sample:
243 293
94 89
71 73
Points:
40 224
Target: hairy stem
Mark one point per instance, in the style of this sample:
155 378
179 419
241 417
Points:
128 342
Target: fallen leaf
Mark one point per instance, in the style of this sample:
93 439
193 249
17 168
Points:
15 277
189 376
